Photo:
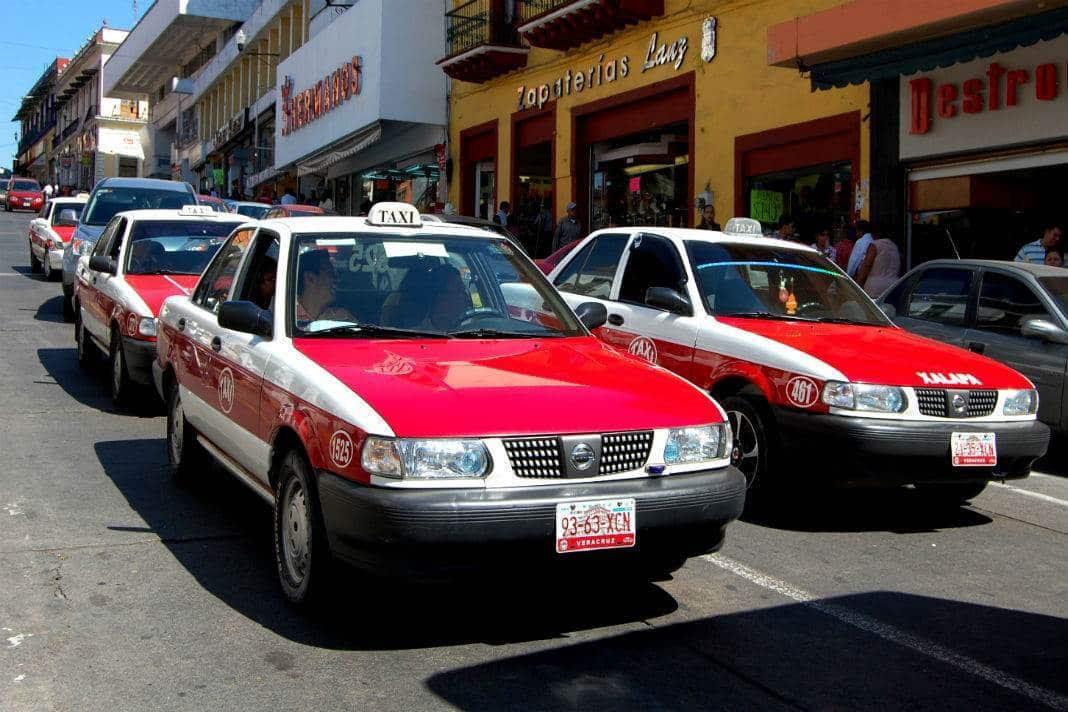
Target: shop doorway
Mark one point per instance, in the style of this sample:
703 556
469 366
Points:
983 215
816 197
485 189
641 179
532 205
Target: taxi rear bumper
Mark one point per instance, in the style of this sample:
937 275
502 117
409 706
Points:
851 450
430 533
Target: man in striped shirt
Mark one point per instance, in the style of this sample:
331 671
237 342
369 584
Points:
1035 252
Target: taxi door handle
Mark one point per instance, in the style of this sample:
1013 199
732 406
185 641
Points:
181 324
216 344
976 346
615 320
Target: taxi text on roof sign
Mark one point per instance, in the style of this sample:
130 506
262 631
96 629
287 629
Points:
744 226
197 210
394 215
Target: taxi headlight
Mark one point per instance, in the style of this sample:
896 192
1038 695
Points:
699 444
864 396
1020 403
425 459
147 326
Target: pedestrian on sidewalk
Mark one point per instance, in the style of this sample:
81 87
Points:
568 229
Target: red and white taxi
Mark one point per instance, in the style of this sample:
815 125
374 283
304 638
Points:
384 386
817 382
50 231
141 258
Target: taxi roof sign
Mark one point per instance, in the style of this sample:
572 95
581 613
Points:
197 210
394 215
744 226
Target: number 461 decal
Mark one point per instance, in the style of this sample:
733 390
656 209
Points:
802 391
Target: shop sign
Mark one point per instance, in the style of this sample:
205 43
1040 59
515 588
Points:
1012 97
333 90
660 53
231 128
765 205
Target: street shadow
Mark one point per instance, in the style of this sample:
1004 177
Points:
221 532
90 386
51 310
897 510
1055 461
877 651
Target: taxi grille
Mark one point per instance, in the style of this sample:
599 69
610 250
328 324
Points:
541 457
932 402
624 451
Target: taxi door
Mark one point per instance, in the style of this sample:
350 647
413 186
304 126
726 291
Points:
96 303
589 273
663 332
39 232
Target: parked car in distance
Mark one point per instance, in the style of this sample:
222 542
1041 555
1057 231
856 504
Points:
294 211
217 204
141 258
111 196
415 399
249 209
548 264
819 385
23 194
1013 312
50 232
3 190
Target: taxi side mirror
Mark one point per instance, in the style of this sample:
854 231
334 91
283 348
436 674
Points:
669 300
593 315
245 317
1044 329
103 263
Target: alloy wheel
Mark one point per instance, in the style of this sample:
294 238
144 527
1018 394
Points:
745 451
177 434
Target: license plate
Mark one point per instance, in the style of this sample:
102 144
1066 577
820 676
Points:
974 449
25 203
590 526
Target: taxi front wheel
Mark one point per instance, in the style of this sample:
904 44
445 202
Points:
120 376
750 451
184 452
301 553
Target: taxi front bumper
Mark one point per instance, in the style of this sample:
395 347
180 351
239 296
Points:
862 451
140 355
429 533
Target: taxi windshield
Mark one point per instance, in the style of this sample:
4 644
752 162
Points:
760 281
105 202
174 246
379 285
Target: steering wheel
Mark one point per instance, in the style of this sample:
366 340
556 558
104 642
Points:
473 314
809 306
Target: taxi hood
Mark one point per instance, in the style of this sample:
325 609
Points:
63 232
155 288
487 388
886 355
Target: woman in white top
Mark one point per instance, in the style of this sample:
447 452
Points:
880 268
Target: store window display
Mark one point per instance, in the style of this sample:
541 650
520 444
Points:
814 197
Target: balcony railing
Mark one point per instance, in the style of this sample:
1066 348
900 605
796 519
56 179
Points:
529 9
565 24
475 23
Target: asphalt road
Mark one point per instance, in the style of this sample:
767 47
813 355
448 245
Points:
121 591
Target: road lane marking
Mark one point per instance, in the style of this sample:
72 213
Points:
893 634
1029 493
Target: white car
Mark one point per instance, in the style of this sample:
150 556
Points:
50 232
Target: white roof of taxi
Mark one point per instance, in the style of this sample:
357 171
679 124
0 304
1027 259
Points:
69 199
695 235
177 215
330 223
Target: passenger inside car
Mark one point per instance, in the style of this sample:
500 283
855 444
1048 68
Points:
263 293
146 257
431 296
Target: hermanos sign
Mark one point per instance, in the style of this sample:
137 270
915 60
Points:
333 90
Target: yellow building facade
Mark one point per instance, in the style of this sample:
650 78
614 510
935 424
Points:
653 119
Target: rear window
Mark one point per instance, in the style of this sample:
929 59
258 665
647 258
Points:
27 185
106 202
62 214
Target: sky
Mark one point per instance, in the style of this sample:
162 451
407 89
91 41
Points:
35 32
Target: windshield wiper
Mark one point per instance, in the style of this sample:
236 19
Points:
843 320
374 330
165 270
482 333
766 315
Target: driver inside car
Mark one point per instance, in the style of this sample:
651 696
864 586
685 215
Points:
146 257
316 290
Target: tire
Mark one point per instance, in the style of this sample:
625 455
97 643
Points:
121 386
185 454
301 553
954 494
751 451
87 351
35 264
68 306
47 272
